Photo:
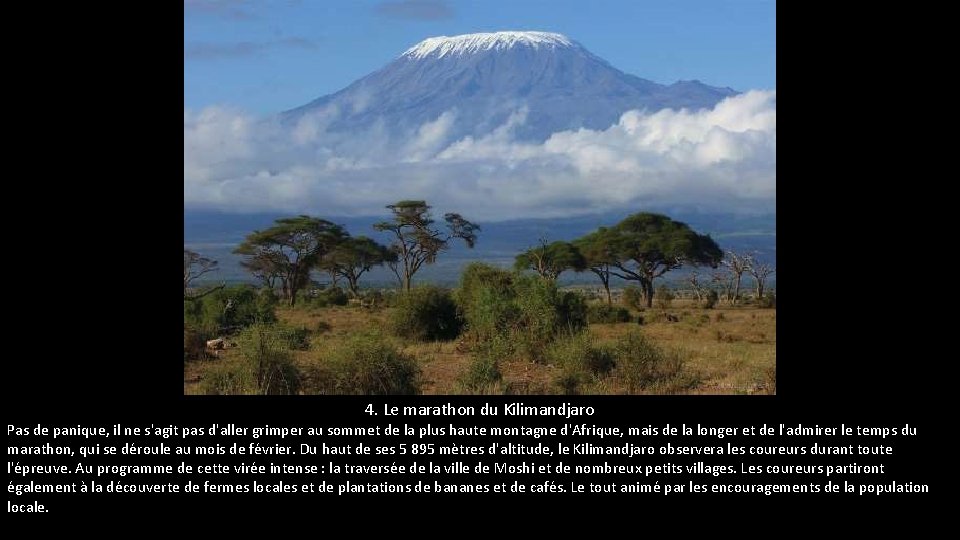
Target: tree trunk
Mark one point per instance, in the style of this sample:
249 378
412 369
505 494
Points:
646 287
407 280
759 289
354 286
606 286
736 291
293 297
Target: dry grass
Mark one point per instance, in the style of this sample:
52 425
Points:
728 350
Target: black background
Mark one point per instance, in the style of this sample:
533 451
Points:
94 202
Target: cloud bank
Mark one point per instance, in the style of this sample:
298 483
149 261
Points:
722 159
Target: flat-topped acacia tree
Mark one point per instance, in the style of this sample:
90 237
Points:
195 266
551 260
647 246
416 241
598 249
354 257
289 250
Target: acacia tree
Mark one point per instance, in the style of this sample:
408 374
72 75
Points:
723 280
699 288
266 268
738 264
289 250
648 246
551 260
194 266
599 253
417 242
354 257
760 272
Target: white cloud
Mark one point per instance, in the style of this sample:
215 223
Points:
723 159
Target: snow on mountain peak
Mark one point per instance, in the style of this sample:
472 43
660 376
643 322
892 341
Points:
441 46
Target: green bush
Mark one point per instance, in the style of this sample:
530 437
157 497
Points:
229 380
769 301
579 361
265 365
483 374
426 313
640 365
266 350
710 299
663 297
604 314
632 297
543 312
330 296
484 300
229 309
365 365
527 311
293 338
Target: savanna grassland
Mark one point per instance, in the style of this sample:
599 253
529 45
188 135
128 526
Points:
498 331
724 350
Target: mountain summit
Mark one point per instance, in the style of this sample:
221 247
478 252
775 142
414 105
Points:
469 85
473 43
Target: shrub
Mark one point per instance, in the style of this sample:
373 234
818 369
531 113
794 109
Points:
579 361
768 301
292 338
266 350
229 309
426 313
194 343
543 311
267 302
580 351
664 297
641 365
365 365
229 380
604 314
483 374
632 297
321 298
265 365
484 300
527 311
710 299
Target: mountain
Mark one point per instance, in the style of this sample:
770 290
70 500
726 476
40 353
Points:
480 80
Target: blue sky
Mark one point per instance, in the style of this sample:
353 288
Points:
264 56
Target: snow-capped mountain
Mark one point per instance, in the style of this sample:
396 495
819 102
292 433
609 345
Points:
541 82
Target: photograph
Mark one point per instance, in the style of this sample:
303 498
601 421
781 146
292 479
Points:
464 197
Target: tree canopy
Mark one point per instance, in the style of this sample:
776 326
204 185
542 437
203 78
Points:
646 246
551 260
355 256
416 241
289 250
599 252
195 266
